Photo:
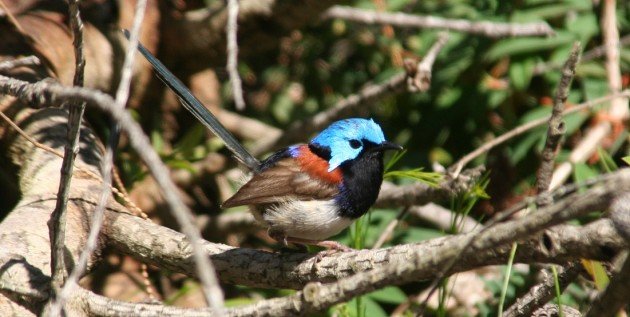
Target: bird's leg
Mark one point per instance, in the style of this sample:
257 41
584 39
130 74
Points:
282 238
278 236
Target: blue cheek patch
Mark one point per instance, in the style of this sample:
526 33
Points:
341 152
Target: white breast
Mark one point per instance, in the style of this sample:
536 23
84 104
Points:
313 219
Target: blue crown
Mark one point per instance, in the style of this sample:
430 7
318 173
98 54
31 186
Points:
345 139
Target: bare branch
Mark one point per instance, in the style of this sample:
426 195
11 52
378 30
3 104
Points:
556 128
421 80
616 295
485 28
232 49
264 269
542 293
457 167
14 63
57 223
569 242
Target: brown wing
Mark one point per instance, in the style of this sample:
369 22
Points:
285 181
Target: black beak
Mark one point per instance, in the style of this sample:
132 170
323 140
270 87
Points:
388 146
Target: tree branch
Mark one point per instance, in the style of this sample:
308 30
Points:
242 266
556 128
421 80
489 29
19 62
232 51
57 224
540 294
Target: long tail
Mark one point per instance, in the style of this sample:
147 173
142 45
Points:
192 104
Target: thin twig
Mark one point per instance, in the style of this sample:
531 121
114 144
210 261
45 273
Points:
57 223
459 165
485 28
556 128
555 131
232 58
540 294
18 62
421 81
619 107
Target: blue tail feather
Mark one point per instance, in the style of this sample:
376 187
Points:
197 109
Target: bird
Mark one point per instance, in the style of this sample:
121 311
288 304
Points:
307 193
304 193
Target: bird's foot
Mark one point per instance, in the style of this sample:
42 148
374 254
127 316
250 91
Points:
332 247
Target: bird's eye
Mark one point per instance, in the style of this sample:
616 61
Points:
355 144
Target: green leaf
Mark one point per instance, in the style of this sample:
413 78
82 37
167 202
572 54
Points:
193 137
549 10
584 26
448 97
238 301
411 235
367 306
516 46
181 164
389 295
626 159
606 160
595 88
157 141
583 172
521 72
430 178
394 159
597 271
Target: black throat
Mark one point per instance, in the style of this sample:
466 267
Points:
362 178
